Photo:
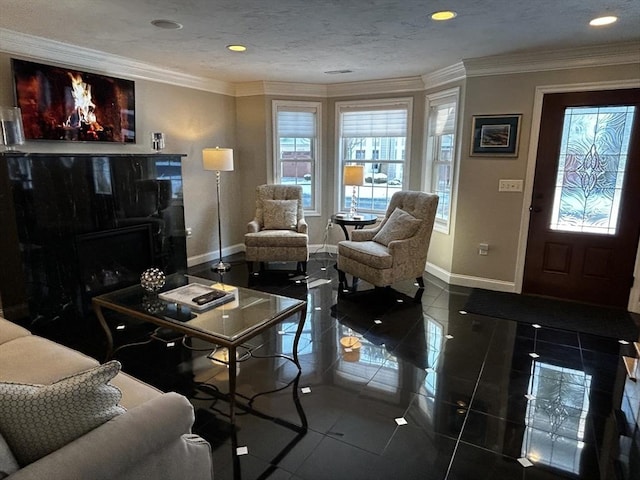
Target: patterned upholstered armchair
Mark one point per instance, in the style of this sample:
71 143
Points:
396 249
278 233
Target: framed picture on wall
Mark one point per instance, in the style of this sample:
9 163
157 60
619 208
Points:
495 135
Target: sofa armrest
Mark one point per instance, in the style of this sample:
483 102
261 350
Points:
117 445
406 251
364 235
302 226
253 226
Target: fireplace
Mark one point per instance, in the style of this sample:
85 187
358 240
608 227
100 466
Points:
77 225
112 259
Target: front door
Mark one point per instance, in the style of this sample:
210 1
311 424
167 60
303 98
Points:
585 208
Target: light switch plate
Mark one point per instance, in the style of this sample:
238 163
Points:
510 185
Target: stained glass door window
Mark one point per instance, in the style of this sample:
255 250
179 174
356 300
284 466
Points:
591 169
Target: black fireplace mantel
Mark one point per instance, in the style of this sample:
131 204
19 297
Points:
75 225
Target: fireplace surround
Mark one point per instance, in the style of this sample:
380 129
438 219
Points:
77 225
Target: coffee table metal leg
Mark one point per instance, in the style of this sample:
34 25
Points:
233 361
103 323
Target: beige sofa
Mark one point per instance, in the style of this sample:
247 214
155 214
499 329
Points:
152 439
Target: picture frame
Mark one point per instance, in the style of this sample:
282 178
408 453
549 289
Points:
495 135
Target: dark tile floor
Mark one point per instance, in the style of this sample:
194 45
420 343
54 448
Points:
482 398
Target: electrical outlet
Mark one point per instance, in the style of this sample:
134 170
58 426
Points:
189 232
510 185
483 249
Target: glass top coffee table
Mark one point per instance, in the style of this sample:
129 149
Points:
229 325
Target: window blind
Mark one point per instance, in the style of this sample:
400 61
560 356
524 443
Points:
378 123
297 124
443 119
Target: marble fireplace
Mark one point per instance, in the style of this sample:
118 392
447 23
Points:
77 225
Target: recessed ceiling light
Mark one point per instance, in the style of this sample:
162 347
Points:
166 24
443 15
598 22
237 48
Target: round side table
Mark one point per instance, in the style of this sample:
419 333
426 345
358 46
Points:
345 220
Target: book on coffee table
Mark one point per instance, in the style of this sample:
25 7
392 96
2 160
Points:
198 297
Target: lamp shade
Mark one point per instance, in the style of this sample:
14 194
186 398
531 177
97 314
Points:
220 159
354 174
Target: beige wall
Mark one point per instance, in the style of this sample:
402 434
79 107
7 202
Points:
253 137
191 120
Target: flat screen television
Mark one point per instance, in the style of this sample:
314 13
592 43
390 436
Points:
65 104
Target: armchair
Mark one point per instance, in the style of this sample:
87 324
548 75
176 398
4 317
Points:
278 231
394 250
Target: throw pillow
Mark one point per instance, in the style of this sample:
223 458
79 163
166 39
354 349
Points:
39 419
280 214
8 463
399 226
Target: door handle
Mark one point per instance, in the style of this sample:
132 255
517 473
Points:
535 209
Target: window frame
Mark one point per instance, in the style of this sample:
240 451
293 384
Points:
444 97
316 161
341 107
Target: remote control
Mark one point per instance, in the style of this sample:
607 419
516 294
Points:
207 297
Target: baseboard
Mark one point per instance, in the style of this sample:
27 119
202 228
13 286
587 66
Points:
212 256
470 281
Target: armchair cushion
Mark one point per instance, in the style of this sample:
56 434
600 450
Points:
39 419
280 214
368 253
399 226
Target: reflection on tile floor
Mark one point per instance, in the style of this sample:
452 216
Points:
480 396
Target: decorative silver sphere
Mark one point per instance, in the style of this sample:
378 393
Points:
152 279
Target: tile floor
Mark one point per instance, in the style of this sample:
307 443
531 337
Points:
476 403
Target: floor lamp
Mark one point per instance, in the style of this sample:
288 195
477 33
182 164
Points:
220 160
354 176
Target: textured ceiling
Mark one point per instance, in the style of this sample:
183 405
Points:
298 40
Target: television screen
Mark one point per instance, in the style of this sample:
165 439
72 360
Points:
64 104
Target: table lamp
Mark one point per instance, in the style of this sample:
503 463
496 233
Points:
220 160
354 176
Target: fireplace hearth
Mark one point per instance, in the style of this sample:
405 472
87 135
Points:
78 225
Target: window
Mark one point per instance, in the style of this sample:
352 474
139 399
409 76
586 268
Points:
375 135
296 144
441 151
592 164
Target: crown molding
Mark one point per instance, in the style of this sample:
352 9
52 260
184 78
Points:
595 56
280 88
249 89
45 50
350 89
373 87
453 73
